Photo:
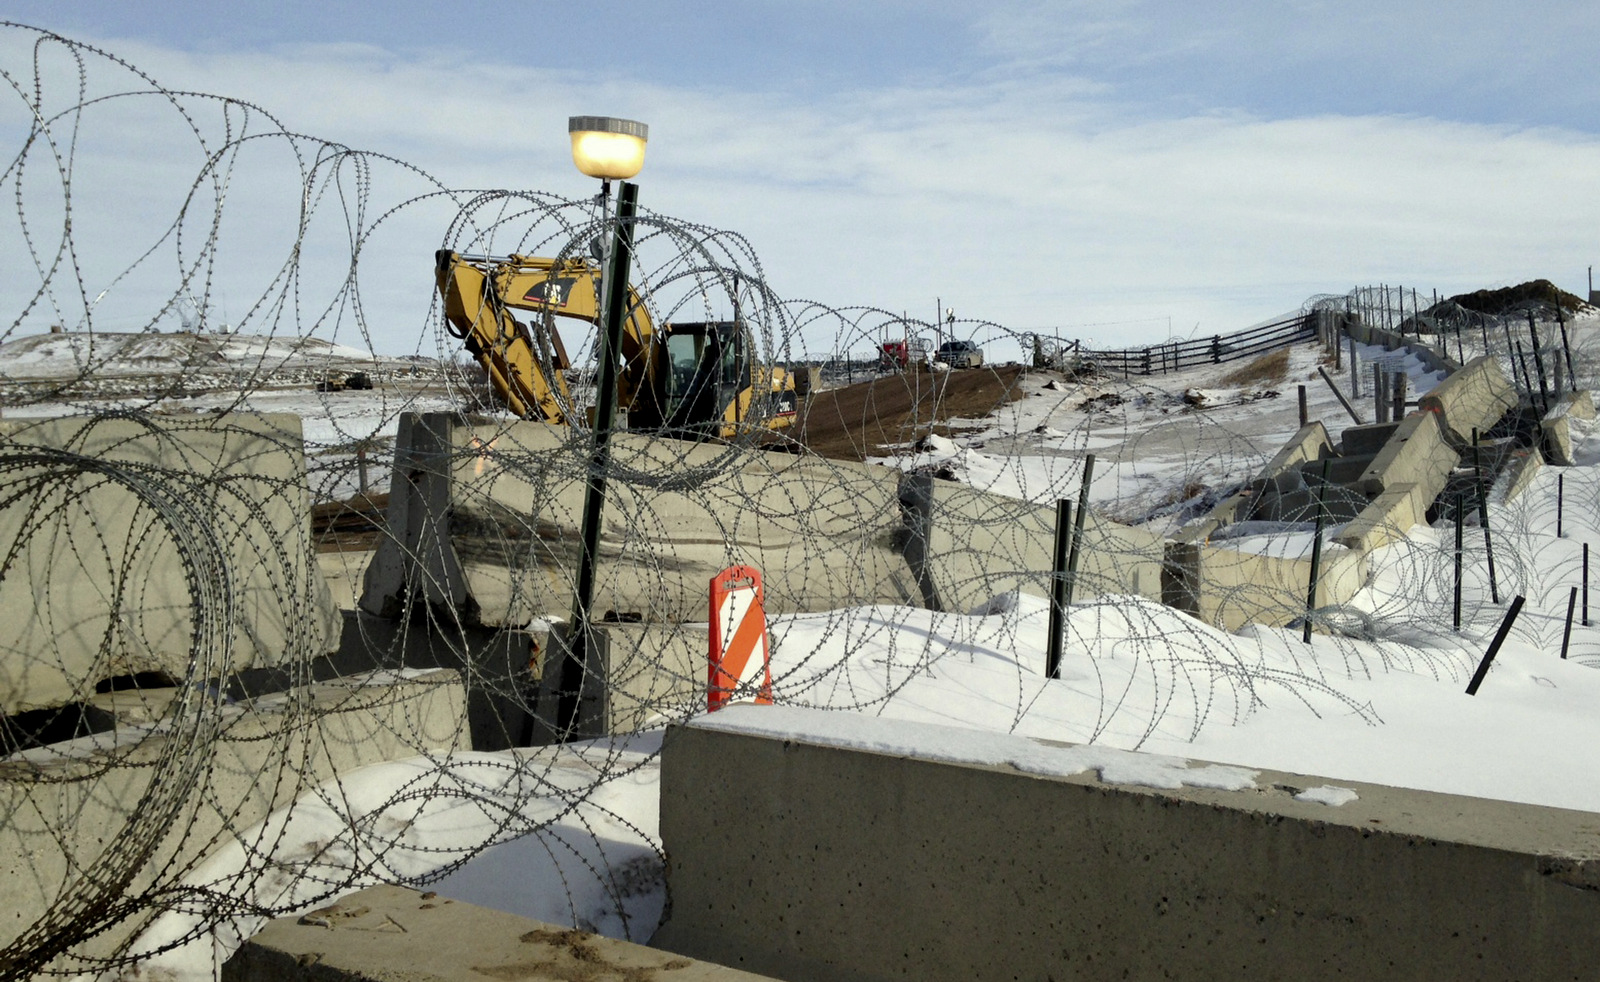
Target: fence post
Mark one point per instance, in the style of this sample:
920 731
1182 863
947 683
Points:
1058 588
1316 549
1494 646
1077 528
1216 350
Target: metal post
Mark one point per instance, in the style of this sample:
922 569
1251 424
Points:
1058 588
1380 398
1586 584
361 469
1566 632
1566 349
1316 549
1303 418
1538 361
1527 377
1561 494
1323 371
1077 527
580 640
1483 514
1460 521
1355 371
1494 646
1400 379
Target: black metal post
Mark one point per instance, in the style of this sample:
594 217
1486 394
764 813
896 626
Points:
1566 349
1527 377
1561 489
1303 417
1340 395
1483 515
1058 588
1566 632
1538 361
580 641
1494 646
1586 584
1460 524
1316 549
1077 527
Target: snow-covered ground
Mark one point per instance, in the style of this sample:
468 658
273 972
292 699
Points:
569 834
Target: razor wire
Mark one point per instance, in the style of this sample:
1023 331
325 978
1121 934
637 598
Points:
280 629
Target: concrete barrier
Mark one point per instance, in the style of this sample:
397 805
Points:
394 933
1310 443
944 854
484 519
88 825
115 531
1473 398
1556 427
1230 588
1386 519
967 546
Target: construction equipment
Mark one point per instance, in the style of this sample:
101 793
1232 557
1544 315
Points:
693 380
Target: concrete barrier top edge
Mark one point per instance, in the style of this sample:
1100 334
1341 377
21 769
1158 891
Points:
1374 808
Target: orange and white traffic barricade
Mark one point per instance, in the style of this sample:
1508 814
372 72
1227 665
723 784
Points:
740 662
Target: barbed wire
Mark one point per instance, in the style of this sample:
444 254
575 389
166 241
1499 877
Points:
245 582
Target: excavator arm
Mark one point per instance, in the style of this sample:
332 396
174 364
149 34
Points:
479 294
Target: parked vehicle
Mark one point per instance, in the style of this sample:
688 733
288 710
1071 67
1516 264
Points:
960 354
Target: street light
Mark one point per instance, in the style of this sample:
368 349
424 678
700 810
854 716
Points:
609 149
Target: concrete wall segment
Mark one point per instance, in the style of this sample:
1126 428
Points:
117 530
887 864
1473 398
88 826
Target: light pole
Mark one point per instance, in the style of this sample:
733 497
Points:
609 149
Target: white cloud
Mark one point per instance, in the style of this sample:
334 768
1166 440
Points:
1033 199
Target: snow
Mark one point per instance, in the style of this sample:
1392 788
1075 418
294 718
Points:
983 747
1145 695
1328 794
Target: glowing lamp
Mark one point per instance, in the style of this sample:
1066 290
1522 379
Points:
606 147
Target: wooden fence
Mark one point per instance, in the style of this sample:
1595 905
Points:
1176 356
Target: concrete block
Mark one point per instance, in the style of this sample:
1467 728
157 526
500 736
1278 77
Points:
486 521
1474 397
1239 588
1417 454
640 675
823 862
117 530
89 825
1365 439
1521 467
395 934
1556 429
1336 504
1386 519
1310 443
979 545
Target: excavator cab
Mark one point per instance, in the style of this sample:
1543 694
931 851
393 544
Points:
705 368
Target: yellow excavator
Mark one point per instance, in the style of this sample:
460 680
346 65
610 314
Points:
691 381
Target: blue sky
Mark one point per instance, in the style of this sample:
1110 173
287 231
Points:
1041 164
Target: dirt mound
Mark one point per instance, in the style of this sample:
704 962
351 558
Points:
1508 298
859 420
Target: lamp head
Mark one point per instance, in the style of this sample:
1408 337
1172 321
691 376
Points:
607 147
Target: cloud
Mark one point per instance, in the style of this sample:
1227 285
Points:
1036 199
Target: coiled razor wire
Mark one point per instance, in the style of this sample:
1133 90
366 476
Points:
205 667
